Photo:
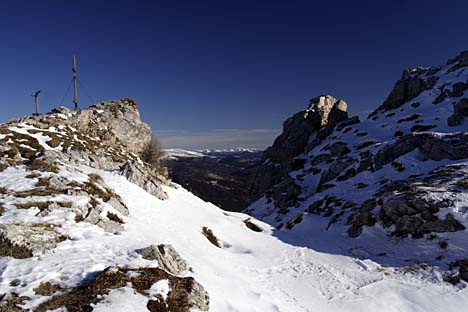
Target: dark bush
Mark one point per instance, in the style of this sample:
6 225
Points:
153 155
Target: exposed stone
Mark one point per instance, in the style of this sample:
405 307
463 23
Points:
461 107
335 169
24 240
144 177
322 115
432 146
298 128
168 258
449 224
463 269
455 120
348 122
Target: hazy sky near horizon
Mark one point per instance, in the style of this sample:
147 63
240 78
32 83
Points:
220 74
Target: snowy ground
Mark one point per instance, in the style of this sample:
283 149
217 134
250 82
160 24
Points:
252 272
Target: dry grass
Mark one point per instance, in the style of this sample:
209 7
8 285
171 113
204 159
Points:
94 178
252 226
33 175
211 237
64 204
4 190
44 166
79 218
113 217
33 204
153 155
54 142
39 192
46 289
12 303
8 249
85 296
99 191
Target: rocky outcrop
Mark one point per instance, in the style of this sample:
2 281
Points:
300 132
103 136
322 111
145 177
166 256
23 241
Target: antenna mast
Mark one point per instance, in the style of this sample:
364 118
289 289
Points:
75 95
36 102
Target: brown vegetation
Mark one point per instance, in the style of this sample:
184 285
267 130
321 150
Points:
46 289
41 165
33 204
153 155
211 237
83 297
252 226
8 249
113 217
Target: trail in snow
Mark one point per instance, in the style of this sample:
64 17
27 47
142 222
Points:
253 272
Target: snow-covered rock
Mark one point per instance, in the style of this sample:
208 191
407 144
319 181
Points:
168 258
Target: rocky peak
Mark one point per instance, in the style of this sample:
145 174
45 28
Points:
103 136
322 110
299 131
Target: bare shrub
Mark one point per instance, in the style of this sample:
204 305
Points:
211 237
153 155
113 217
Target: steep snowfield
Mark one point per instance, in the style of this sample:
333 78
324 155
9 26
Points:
252 272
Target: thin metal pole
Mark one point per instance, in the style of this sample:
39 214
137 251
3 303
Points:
36 102
75 95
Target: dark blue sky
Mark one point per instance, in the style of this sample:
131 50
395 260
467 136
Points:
220 73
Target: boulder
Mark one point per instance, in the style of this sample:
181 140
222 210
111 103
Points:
143 176
168 258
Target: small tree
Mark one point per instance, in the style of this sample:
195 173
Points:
154 156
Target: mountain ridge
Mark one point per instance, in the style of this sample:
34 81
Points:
395 175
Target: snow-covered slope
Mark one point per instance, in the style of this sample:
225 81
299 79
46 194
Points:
252 271
392 188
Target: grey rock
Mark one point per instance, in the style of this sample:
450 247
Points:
461 107
61 110
455 120
449 224
168 258
298 128
323 112
463 270
144 177
451 146
348 122
338 149
37 239
198 297
461 60
335 169
458 89
93 216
